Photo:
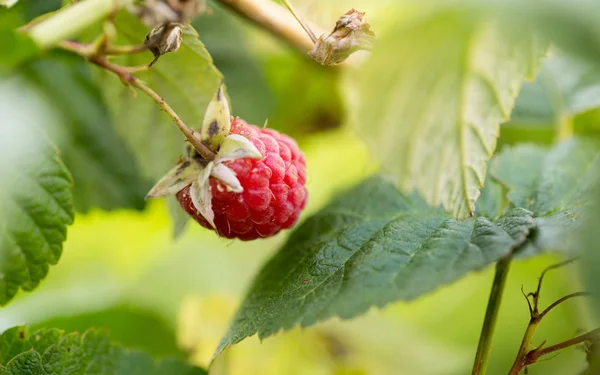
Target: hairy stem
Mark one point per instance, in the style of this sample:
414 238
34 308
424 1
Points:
126 77
274 19
71 20
491 316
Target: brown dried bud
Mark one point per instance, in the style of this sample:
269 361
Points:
350 34
158 12
163 39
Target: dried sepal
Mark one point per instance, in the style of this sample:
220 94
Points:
217 121
351 34
176 179
235 146
163 39
224 174
202 196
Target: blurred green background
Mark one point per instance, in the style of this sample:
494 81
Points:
123 270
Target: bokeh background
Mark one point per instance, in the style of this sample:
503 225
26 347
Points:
123 270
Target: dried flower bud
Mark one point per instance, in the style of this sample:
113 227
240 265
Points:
158 12
163 39
349 35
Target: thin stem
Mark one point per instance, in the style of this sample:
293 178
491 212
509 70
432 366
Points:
590 336
534 355
125 75
83 50
491 316
125 50
274 19
189 134
518 364
549 268
304 25
561 300
524 355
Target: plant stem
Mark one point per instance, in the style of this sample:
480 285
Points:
274 19
125 50
125 75
519 362
304 25
525 356
491 316
590 336
530 357
71 20
563 299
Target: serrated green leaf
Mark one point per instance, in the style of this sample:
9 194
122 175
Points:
36 203
430 99
48 352
555 184
564 88
186 79
104 170
369 247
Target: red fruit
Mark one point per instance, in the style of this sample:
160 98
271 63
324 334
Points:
274 191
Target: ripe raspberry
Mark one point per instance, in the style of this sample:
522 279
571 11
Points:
274 192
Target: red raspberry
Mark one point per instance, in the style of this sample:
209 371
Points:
274 192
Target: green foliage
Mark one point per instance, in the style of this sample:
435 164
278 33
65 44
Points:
557 103
52 351
564 87
14 48
554 184
296 95
431 97
369 247
428 101
36 202
131 327
103 168
187 80
374 245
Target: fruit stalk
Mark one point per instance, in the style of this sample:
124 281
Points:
275 19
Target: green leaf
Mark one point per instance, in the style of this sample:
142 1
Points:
429 100
15 48
555 184
47 352
186 79
104 170
369 247
130 326
36 203
564 88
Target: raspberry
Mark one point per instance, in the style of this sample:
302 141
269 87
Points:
273 188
